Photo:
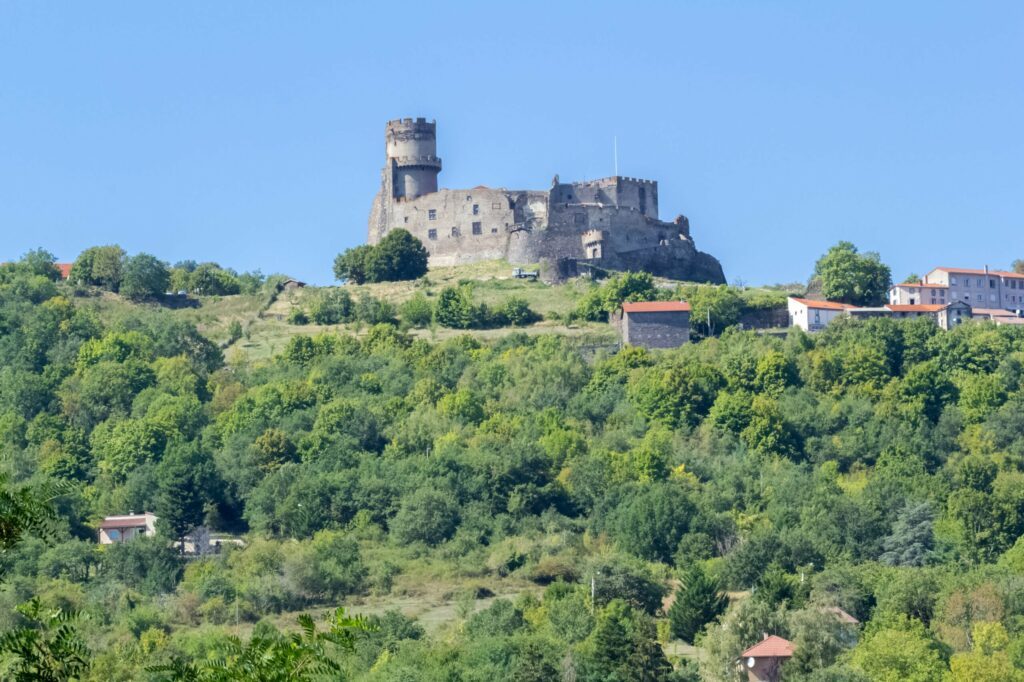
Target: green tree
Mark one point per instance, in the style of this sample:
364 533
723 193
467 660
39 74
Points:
144 277
911 540
698 601
675 395
99 266
398 256
427 515
1018 266
186 483
713 308
852 277
418 311
351 264
903 652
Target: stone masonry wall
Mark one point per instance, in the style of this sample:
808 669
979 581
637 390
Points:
669 329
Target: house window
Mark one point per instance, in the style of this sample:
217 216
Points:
980 285
476 209
991 284
952 280
967 283
431 234
992 297
980 298
432 214
477 229
455 232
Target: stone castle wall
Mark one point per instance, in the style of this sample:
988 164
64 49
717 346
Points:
610 222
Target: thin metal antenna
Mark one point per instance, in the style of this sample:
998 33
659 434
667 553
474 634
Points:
615 152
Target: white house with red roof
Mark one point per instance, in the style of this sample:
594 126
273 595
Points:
812 316
655 324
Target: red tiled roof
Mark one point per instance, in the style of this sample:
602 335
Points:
917 308
65 269
129 521
770 647
971 271
657 307
994 312
825 305
921 285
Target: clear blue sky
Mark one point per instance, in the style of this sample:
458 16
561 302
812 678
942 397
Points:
251 133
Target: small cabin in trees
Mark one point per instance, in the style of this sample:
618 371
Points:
117 529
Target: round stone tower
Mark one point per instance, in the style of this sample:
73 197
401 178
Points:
412 157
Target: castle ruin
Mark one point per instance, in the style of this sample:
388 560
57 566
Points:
611 223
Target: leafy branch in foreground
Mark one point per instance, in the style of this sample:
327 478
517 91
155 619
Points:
51 650
305 655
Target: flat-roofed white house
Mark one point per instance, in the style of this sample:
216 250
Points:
812 316
116 529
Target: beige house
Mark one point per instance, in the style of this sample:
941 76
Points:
812 316
115 529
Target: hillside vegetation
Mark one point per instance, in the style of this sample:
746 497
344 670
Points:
551 515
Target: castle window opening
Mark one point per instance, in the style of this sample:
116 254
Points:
477 228
494 230
511 204
469 197
476 209
432 234
406 219
579 219
496 205
432 214
455 232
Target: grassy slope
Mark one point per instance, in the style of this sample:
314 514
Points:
268 332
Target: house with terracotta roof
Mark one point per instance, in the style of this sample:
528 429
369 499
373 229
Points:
125 528
65 270
763 661
914 293
655 324
982 288
812 316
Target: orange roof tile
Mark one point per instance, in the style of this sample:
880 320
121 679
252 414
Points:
65 269
994 312
973 271
917 308
825 305
920 285
772 646
657 307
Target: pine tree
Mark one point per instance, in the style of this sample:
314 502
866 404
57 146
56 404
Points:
698 601
911 540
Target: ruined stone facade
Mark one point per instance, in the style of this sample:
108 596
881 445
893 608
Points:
609 223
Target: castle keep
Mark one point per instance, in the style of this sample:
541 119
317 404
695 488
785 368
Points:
610 223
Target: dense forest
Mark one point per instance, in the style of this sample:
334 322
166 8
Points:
638 502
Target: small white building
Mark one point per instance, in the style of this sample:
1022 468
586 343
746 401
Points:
918 293
115 529
812 316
